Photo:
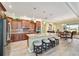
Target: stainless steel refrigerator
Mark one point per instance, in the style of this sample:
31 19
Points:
3 35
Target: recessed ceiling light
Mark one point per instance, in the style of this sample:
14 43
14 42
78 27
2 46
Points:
25 17
34 8
44 11
13 14
50 14
45 18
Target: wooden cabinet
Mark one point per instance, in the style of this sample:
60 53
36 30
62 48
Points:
29 26
24 23
19 24
16 24
38 26
19 37
14 37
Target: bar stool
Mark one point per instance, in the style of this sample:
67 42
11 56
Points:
45 44
37 47
52 41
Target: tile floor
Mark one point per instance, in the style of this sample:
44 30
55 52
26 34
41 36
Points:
65 48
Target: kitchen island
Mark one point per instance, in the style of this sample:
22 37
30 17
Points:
33 37
20 47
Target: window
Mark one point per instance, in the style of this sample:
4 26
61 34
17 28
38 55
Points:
71 27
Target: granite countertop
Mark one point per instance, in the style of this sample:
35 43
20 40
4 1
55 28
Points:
42 35
17 32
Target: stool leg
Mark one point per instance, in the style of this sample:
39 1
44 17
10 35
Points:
57 42
45 47
34 49
41 49
49 46
54 43
36 54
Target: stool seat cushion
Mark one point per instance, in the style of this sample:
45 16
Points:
46 41
37 43
52 39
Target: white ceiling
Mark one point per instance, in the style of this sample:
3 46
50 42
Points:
51 11
75 7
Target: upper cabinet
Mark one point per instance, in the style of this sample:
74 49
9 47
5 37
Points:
26 26
2 7
2 10
14 25
23 25
38 26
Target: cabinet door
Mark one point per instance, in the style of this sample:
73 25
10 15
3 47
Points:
20 37
24 24
14 24
15 37
19 24
38 26
33 27
27 24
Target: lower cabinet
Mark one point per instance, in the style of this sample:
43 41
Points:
18 37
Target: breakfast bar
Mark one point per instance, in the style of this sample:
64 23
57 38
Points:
34 37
